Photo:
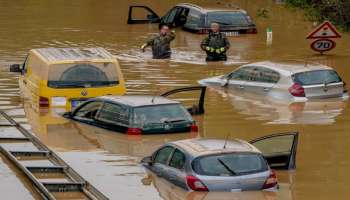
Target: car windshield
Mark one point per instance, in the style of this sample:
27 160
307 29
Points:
229 164
156 114
228 18
317 77
83 75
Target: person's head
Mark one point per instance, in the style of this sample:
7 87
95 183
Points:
215 27
164 29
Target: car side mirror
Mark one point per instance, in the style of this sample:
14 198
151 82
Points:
15 68
148 160
225 81
68 115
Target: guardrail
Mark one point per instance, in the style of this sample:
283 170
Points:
64 180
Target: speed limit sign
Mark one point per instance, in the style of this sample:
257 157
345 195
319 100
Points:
322 36
322 45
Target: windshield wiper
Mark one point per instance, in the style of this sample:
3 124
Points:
67 85
174 120
223 23
227 167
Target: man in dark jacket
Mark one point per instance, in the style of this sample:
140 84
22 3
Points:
160 43
216 44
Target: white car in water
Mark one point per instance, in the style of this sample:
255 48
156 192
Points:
295 81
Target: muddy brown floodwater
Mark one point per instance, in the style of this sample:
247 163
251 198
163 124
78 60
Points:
110 160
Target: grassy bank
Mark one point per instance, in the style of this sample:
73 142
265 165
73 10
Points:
336 11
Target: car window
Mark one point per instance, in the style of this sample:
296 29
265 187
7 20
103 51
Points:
266 75
229 164
163 155
170 16
242 74
89 110
159 114
225 18
114 114
317 77
178 160
275 145
71 75
193 19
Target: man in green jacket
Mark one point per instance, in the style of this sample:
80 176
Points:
160 43
215 44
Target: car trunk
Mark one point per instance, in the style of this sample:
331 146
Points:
155 128
320 83
232 171
324 90
235 183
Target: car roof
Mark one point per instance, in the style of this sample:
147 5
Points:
199 147
54 55
290 67
232 8
139 100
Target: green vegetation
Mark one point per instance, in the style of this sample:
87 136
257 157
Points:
336 11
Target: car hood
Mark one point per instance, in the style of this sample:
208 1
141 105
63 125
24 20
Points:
215 79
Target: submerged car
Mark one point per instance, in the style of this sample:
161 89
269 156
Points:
64 77
224 165
294 81
139 114
193 18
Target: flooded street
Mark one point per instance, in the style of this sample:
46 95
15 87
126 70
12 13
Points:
109 160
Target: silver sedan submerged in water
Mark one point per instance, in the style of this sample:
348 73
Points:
294 81
219 165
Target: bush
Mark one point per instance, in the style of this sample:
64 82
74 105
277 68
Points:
336 11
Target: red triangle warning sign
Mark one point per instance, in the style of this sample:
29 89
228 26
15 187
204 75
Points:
325 30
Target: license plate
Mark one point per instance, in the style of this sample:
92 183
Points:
58 101
234 33
76 103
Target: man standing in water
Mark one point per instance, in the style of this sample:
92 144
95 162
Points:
215 44
160 43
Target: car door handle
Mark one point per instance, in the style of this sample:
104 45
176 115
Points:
266 89
241 87
172 177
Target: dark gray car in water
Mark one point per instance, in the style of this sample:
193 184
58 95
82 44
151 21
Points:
193 18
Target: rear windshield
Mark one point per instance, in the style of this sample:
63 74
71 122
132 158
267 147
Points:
229 164
82 75
228 18
317 77
173 113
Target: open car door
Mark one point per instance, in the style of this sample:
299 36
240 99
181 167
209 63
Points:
142 15
194 109
279 149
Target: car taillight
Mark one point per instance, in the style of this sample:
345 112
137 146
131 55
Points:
43 102
196 184
194 128
297 90
271 181
345 90
252 31
134 131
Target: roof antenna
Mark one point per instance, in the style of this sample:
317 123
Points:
154 96
228 134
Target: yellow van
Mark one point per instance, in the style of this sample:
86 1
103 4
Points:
64 77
